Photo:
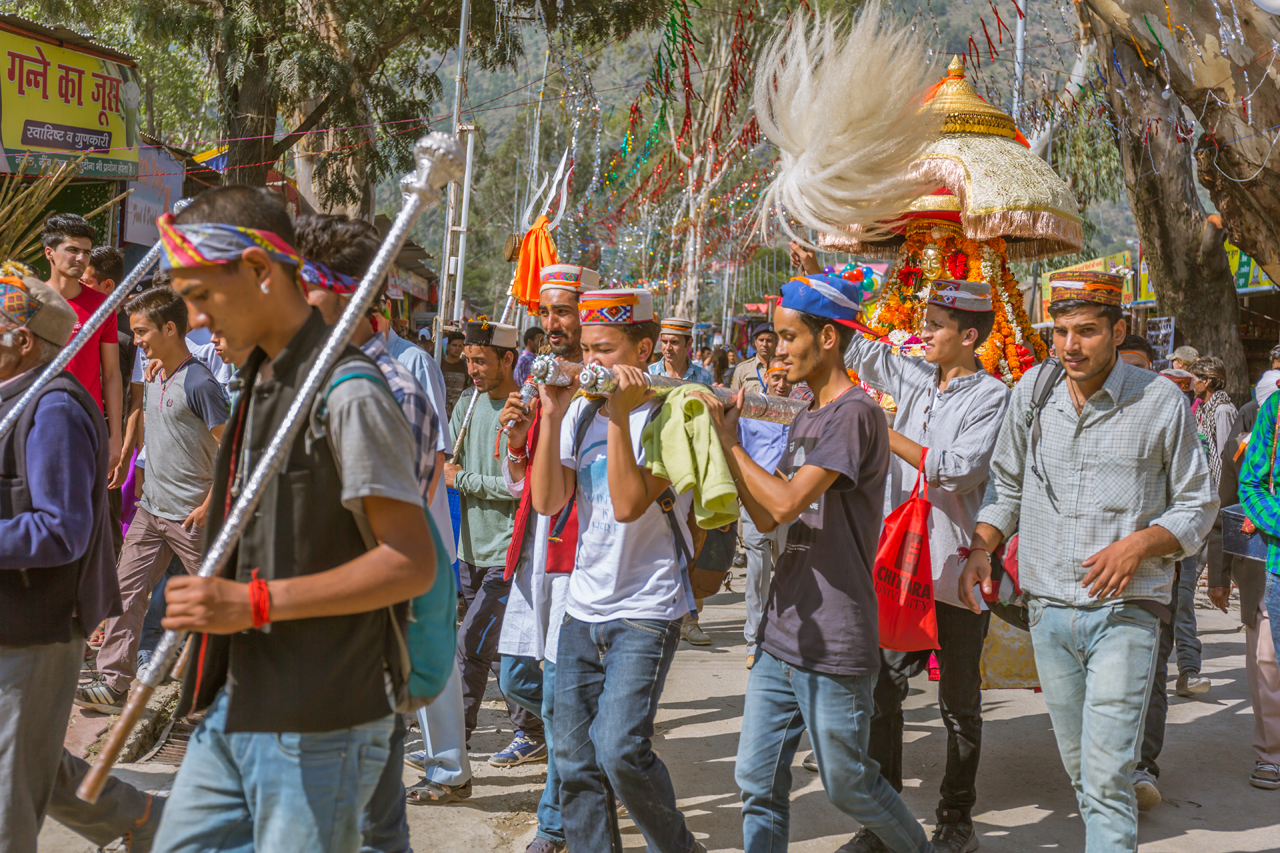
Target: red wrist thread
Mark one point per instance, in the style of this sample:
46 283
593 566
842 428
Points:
259 601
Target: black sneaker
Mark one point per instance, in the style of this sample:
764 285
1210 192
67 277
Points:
97 695
865 841
957 837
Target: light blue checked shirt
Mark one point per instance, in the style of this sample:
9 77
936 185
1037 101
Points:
417 409
695 373
1129 460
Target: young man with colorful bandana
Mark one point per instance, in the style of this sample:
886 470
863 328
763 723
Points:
538 564
1107 486
949 414
290 658
819 653
628 591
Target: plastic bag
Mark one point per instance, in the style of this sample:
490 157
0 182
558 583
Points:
904 575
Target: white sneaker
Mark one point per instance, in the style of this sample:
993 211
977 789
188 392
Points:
1144 786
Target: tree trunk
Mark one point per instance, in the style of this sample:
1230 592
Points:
251 123
1189 274
1230 87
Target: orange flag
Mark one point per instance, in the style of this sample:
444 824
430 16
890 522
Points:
536 252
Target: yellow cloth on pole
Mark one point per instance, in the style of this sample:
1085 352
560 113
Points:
536 251
681 445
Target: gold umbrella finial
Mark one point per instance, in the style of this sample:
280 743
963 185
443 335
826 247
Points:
956 67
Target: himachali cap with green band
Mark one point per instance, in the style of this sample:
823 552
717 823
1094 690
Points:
620 307
570 277
961 295
1101 288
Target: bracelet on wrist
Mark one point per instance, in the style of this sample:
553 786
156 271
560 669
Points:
517 458
259 601
966 553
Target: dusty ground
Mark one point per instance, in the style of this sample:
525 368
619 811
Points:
1024 799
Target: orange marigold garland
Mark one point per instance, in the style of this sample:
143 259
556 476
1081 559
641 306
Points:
937 250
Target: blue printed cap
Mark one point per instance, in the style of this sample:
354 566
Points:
828 296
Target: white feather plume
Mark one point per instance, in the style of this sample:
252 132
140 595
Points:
844 110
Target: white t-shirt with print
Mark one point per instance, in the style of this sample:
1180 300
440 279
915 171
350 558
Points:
623 571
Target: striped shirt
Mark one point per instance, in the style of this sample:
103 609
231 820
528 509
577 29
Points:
1129 460
1256 491
417 409
695 373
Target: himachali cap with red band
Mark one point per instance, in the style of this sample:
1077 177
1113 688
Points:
570 277
961 295
620 307
1101 288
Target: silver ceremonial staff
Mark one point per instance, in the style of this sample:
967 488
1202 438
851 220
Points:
600 380
107 310
439 160
546 370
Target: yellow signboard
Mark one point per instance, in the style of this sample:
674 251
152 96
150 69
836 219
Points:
1117 263
1245 271
57 103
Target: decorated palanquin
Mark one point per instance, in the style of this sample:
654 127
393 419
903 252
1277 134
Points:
995 202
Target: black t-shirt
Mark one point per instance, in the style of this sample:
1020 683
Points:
821 613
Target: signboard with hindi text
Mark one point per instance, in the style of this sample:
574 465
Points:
1245 272
56 103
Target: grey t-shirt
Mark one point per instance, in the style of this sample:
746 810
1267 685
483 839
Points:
180 449
373 445
821 613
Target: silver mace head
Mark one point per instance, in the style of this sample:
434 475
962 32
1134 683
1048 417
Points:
440 159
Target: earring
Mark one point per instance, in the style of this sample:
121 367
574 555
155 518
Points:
266 288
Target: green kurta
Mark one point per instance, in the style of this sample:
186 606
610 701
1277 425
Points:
488 508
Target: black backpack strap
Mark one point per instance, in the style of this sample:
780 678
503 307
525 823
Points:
589 413
1050 374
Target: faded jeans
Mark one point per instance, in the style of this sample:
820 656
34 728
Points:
1095 667
534 689
238 792
609 678
781 701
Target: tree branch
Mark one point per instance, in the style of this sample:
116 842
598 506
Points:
308 124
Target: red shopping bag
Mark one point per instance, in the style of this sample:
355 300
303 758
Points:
904 575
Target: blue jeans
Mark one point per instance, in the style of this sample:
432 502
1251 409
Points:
781 701
246 791
1096 665
386 828
534 689
609 677
1184 615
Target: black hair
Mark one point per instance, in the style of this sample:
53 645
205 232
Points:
1111 313
342 244
160 305
454 336
531 333
63 226
636 332
339 242
1134 343
983 321
245 207
816 324
107 263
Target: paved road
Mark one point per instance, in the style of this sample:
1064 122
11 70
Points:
1024 799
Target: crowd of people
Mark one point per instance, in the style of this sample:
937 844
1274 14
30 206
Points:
1082 504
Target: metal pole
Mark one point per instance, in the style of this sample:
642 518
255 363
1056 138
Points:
1019 60
462 229
446 280
107 310
439 161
